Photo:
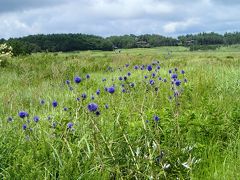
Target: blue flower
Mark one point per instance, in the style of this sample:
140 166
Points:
10 119
104 79
145 77
78 99
69 125
185 80
54 125
153 74
149 67
97 113
120 78
24 126
92 107
84 96
92 97
136 67
170 71
123 90
182 72
22 114
54 103
70 88
87 76
129 74
111 90
174 76
125 78
164 80
106 106
156 118
175 69
158 67
67 82
177 82
159 78
36 118
65 108
132 84
42 102
151 82
126 65
77 79
98 92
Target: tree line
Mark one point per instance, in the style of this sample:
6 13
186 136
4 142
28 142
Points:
75 42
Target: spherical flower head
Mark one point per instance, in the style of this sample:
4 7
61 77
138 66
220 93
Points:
159 78
178 82
153 74
164 80
156 118
158 67
97 113
106 106
24 126
87 76
174 76
36 118
120 78
151 82
92 107
84 96
149 68
98 92
182 72
145 77
54 103
136 67
123 90
175 69
77 79
126 65
111 90
185 80
54 125
125 78
67 82
42 102
69 125
132 84
104 79
22 114
129 74
71 88
65 108
10 119
170 71
92 97
78 99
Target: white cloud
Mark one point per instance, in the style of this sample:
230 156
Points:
115 17
173 27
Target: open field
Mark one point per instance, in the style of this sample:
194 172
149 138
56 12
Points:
155 129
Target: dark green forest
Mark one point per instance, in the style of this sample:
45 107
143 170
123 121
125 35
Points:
75 42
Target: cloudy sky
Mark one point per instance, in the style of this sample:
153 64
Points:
117 17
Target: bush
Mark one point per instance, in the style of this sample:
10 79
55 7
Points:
5 53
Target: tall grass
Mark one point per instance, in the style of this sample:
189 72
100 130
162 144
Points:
198 139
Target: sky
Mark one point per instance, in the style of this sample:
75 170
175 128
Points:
117 17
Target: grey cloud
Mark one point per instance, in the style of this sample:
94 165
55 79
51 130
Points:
115 17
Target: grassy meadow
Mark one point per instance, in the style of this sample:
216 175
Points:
148 128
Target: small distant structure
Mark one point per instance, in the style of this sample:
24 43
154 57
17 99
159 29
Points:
116 49
143 44
189 42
